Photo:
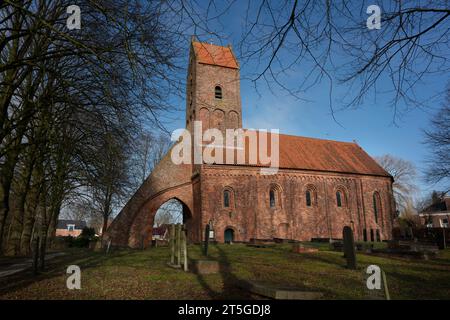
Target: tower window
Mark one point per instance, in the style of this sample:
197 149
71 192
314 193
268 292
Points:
226 199
218 92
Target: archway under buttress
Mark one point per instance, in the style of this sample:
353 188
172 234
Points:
173 211
140 233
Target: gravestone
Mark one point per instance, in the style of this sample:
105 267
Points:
178 247
206 244
376 285
178 242
184 249
172 244
349 247
108 246
276 291
206 265
440 239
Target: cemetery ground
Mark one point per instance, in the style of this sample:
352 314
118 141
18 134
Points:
144 274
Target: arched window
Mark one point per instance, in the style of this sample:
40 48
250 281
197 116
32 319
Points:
310 195
308 198
275 196
218 92
376 206
226 198
272 198
339 198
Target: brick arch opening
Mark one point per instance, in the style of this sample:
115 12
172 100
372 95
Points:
218 119
140 232
172 211
233 119
229 234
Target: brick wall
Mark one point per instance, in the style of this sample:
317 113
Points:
251 216
67 233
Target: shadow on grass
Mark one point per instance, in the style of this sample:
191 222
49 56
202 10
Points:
230 288
56 267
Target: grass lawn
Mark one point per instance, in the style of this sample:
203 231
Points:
132 274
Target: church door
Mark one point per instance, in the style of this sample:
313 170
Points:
229 235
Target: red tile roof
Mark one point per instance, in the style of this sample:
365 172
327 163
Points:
215 55
326 155
303 153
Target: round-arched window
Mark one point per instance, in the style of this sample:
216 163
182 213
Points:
218 92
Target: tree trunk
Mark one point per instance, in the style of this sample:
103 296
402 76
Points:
105 225
18 214
7 173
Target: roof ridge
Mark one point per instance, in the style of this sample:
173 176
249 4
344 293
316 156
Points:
210 44
311 138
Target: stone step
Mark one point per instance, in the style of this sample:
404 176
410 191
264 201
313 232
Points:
275 291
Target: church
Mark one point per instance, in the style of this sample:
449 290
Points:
320 185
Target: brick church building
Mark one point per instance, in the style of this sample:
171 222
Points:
320 187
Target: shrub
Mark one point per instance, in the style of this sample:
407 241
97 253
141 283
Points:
80 242
88 233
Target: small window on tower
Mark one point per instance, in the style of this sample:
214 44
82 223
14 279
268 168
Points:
226 199
218 92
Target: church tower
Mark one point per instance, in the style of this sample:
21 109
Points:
213 89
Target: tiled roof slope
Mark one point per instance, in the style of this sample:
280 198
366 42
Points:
303 153
215 55
326 155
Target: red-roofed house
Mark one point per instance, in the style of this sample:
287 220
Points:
320 187
160 233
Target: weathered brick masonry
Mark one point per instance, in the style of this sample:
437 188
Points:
299 202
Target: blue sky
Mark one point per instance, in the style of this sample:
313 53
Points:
371 125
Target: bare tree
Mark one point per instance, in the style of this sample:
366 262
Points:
437 138
110 180
329 42
148 150
408 216
62 91
404 174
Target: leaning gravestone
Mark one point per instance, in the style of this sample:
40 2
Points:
349 247
375 283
